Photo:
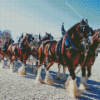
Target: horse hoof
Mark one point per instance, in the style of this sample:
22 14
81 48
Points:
40 81
3 67
11 71
22 72
76 93
49 80
58 76
84 86
8 65
63 78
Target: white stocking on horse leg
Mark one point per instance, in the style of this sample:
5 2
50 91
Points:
28 63
35 70
2 64
38 77
11 68
22 70
63 78
59 74
83 84
15 63
8 63
49 78
72 88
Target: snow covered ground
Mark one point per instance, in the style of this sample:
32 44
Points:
16 87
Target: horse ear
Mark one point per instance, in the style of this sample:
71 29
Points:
86 21
83 19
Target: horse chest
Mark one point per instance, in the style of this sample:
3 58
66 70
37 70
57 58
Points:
74 57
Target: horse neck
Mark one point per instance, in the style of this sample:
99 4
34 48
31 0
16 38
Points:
75 41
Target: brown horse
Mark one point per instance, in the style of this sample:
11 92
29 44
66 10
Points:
4 48
14 52
90 59
69 57
63 77
47 36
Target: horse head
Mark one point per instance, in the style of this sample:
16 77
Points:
47 36
96 36
83 29
9 41
28 39
79 31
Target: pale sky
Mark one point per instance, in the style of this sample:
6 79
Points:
40 16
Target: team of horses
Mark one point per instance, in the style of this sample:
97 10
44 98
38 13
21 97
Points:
50 51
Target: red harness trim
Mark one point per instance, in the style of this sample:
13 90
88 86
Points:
20 52
18 47
77 28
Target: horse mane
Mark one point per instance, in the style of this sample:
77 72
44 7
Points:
24 37
73 28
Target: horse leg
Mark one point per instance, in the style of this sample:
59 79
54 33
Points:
11 64
22 69
59 74
15 63
63 78
28 64
45 64
48 77
8 63
2 62
89 71
83 84
36 68
71 84
11 67
38 77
